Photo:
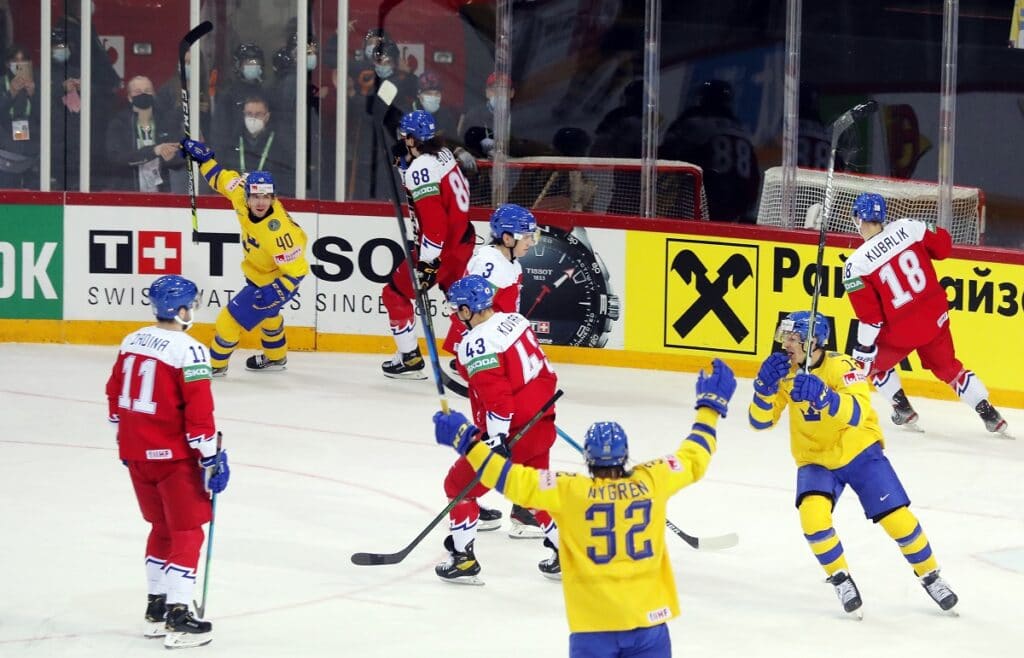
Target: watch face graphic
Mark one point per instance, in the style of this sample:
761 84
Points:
565 292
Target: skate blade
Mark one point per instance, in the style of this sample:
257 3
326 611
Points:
856 615
519 531
267 369
412 376
952 612
484 526
154 629
552 576
187 640
912 427
463 580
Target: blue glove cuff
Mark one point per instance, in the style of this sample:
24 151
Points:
713 401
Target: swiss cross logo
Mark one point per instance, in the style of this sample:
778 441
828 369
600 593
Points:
143 252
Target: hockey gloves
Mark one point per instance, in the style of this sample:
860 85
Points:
196 150
467 163
454 429
497 443
774 368
810 389
427 273
215 471
865 357
715 390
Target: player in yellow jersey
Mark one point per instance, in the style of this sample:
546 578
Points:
616 575
836 441
274 263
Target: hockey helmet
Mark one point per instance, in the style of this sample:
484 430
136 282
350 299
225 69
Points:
473 292
259 182
869 207
513 219
605 445
169 293
798 322
418 124
247 52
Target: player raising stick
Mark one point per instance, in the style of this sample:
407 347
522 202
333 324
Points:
902 307
509 379
836 441
159 395
618 584
274 263
439 196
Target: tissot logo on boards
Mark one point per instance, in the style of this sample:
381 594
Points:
141 252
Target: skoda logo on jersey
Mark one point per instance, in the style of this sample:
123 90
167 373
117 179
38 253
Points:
141 252
711 290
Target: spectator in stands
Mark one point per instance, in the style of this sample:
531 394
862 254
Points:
259 146
228 113
19 103
284 103
618 135
65 113
141 146
710 135
429 98
168 109
476 126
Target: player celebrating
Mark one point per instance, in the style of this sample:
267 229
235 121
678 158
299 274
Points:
439 196
902 307
836 441
618 584
159 395
274 263
509 380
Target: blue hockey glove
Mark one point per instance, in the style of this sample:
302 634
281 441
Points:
498 443
196 150
270 296
216 472
454 429
810 388
715 390
774 368
427 272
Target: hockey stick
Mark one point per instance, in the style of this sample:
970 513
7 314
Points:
195 34
715 543
386 93
375 559
839 126
201 607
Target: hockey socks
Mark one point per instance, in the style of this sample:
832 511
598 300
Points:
905 529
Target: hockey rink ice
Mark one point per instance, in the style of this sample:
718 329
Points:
330 458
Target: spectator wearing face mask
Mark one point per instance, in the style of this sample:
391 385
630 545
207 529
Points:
19 116
140 145
261 145
476 126
429 98
65 113
284 104
248 81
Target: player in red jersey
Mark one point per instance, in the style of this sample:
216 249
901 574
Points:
509 380
902 308
439 196
159 396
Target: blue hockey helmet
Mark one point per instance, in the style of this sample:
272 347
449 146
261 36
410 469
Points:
869 207
171 292
259 182
798 323
513 219
418 124
473 291
605 445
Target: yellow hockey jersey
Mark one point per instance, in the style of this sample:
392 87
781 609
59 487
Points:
616 573
816 437
273 246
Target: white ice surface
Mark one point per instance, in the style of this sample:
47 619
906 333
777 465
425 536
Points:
330 458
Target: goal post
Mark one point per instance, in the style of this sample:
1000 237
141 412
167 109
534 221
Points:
903 198
608 186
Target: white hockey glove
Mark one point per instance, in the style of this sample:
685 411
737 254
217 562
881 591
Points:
865 357
467 163
497 443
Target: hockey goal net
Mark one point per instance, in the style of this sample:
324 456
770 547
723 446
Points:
595 185
903 198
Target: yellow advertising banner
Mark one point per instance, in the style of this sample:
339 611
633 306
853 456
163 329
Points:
704 296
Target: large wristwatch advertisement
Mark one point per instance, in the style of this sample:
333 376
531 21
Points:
566 291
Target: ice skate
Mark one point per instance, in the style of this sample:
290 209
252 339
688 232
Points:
903 415
459 568
405 365
993 420
184 630
219 372
551 567
847 592
261 363
524 525
156 616
490 519
940 592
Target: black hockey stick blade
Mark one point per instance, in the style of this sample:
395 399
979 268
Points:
378 559
715 543
864 109
195 34
456 387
